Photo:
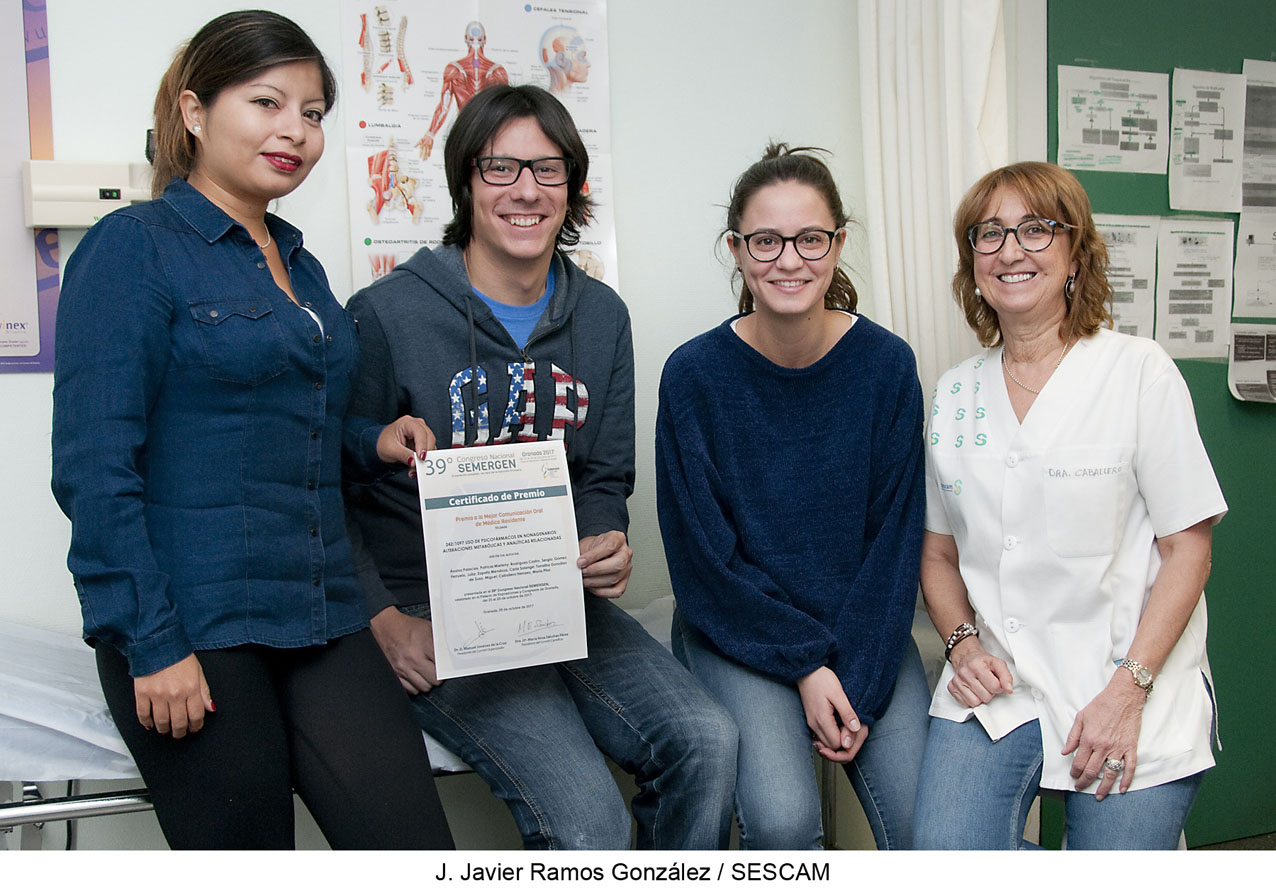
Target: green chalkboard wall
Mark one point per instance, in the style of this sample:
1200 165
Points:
1238 798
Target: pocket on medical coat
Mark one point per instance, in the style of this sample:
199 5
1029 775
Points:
1088 491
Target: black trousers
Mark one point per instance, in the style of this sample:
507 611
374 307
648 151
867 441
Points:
329 721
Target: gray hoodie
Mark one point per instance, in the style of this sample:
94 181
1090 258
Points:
430 347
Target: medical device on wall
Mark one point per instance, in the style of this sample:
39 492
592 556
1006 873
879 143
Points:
78 194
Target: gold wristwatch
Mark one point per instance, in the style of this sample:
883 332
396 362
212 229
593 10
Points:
1142 675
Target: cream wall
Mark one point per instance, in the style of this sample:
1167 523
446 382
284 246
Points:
697 90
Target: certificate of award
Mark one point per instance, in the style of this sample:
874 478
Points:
500 551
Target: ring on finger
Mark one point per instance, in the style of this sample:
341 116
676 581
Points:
1117 766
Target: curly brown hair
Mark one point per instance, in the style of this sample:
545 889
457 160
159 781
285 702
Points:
1052 192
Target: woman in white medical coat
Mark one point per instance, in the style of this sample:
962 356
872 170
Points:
1070 503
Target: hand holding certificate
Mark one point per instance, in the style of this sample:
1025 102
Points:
501 550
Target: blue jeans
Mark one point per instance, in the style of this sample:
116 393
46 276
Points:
777 799
538 736
975 793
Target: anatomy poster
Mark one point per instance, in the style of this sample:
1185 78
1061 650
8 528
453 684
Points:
1207 135
1194 286
1131 245
1113 120
411 65
29 300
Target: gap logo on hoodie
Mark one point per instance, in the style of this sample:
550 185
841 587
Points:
516 424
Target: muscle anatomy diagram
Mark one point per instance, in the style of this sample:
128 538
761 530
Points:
390 188
412 66
462 80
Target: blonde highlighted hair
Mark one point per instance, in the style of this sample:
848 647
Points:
1052 192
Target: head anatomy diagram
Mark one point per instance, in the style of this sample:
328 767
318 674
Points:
475 36
563 52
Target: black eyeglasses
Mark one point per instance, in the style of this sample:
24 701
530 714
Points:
1033 234
811 244
501 170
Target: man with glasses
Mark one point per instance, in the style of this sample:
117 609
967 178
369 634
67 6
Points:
496 336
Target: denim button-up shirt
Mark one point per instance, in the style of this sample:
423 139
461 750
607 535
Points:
197 436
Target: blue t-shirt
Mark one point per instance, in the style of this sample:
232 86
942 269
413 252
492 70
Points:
520 320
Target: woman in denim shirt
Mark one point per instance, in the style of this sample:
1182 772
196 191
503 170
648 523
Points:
202 375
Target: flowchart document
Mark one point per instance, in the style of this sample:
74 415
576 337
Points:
1112 120
1194 286
500 551
1251 364
1207 129
1131 245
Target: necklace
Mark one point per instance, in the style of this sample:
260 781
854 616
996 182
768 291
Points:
267 245
1020 383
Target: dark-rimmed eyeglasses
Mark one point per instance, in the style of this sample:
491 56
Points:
763 246
1033 234
501 170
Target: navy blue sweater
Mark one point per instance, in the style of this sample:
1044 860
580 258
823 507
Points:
791 504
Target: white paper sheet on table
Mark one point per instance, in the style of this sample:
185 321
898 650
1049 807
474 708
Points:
53 721
54 725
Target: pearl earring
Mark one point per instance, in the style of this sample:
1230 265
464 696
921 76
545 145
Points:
978 293
195 129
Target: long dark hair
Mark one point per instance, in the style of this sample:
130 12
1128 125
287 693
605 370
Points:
228 50
782 164
477 125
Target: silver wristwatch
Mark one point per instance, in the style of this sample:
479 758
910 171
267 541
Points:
1142 675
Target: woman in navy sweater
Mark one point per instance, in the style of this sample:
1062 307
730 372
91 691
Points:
790 491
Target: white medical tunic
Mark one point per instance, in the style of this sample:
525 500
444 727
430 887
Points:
1055 521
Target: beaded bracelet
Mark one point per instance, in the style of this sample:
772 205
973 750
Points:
964 631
